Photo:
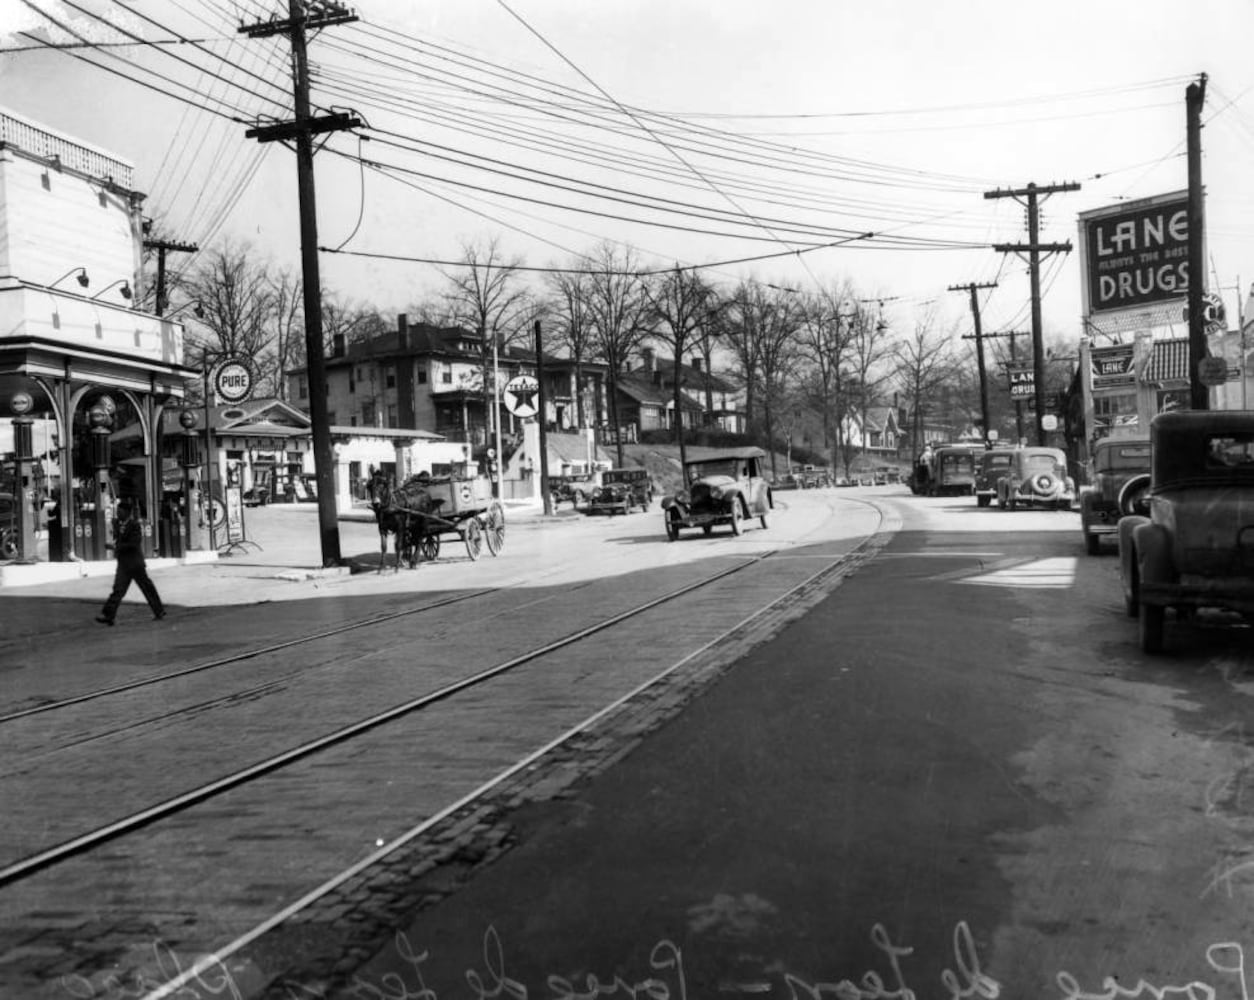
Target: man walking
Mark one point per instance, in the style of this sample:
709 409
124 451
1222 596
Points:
128 546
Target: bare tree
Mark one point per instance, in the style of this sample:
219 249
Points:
923 364
235 292
572 312
617 309
678 307
486 295
761 329
289 327
823 339
870 350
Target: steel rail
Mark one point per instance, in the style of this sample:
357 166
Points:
217 958
34 863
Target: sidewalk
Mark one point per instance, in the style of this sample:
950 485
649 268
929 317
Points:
285 533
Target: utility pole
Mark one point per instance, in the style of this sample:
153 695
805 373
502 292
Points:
1194 96
1034 248
163 247
1014 357
972 287
305 16
543 439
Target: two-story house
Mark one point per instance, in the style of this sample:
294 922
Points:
646 397
430 378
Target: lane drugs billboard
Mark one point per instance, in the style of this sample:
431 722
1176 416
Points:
1136 254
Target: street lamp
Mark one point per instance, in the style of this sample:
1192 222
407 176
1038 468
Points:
82 279
124 291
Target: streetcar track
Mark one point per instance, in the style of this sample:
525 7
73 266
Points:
838 565
216 958
84 842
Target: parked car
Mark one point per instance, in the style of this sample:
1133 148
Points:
952 471
1115 462
8 527
621 490
573 490
787 482
724 487
990 466
1187 541
1036 477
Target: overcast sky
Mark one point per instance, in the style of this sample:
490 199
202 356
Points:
766 127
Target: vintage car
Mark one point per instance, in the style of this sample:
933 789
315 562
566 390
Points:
620 491
1036 477
952 471
990 466
723 487
1187 542
787 481
8 527
573 489
1115 461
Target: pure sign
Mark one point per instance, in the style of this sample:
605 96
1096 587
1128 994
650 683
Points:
233 381
1138 257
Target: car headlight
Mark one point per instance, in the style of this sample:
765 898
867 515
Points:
716 493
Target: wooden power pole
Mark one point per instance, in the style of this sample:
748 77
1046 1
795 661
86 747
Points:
303 17
1199 394
972 288
1034 248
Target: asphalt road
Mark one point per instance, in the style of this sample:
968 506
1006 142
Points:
956 776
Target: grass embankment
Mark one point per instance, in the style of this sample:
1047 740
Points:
662 461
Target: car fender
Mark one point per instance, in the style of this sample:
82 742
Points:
1127 553
1153 552
669 502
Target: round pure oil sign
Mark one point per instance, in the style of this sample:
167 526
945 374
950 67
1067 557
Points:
233 381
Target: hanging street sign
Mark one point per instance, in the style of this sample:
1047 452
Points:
1022 383
1212 371
522 395
233 380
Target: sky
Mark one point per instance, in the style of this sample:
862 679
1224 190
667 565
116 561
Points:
695 133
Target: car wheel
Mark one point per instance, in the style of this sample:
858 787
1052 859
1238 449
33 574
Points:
736 526
1151 627
672 530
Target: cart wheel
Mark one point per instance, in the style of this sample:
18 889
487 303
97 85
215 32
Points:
495 529
429 547
474 538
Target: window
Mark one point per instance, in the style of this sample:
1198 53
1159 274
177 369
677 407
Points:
446 375
330 417
367 414
391 379
352 421
422 376
392 417
302 387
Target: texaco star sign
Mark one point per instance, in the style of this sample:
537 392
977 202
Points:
521 395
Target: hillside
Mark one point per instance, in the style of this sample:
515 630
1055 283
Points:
662 461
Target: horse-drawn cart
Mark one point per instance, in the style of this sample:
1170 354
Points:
464 507
423 509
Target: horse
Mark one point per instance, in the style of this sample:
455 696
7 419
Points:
390 518
401 511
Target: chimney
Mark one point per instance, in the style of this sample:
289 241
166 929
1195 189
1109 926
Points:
337 345
402 332
647 354
696 364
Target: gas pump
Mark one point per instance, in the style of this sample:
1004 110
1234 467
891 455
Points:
189 459
23 493
95 529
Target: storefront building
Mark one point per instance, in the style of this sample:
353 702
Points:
73 351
